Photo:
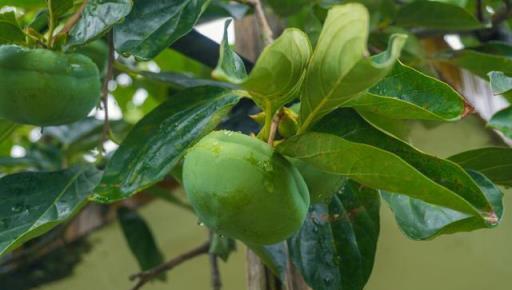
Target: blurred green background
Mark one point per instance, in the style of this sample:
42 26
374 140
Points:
479 260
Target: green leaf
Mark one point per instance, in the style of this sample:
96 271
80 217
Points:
500 83
23 3
492 56
32 203
140 239
502 121
335 248
10 31
347 145
339 69
421 221
436 15
493 162
6 129
153 25
222 247
287 7
406 93
97 19
156 144
279 71
182 81
275 257
59 7
230 67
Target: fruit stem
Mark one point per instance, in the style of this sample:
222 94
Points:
274 126
104 92
51 25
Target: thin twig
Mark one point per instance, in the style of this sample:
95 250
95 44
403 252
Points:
104 91
73 20
146 276
214 268
266 30
274 126
479 10
51 25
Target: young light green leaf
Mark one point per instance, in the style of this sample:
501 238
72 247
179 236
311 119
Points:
29 4
10 31
33 203
230 67
338 69
335 248
97 18
436 15
500 83
502 121
156 144
277 75
493 162
6 129
153 25
350 146
406 93
140 239
421 221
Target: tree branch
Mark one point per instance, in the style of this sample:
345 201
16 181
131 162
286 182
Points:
214 268
266 29
73 20
146 276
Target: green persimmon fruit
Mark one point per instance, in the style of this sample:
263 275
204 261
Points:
241 188
322 185
98 52
44 88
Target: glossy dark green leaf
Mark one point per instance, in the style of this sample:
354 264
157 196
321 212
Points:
338 69
155 145
224 8
10 31
493 56
275 257
500 83
349 146
140 239
153 25
421 221
230 67
406 93
182 81
6 129
493 162
335 248
436 15
97 18
32 203
502 121
222 247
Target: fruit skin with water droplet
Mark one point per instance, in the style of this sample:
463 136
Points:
322 185
241 188
43 88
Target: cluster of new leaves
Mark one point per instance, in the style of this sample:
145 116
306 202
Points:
338 63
